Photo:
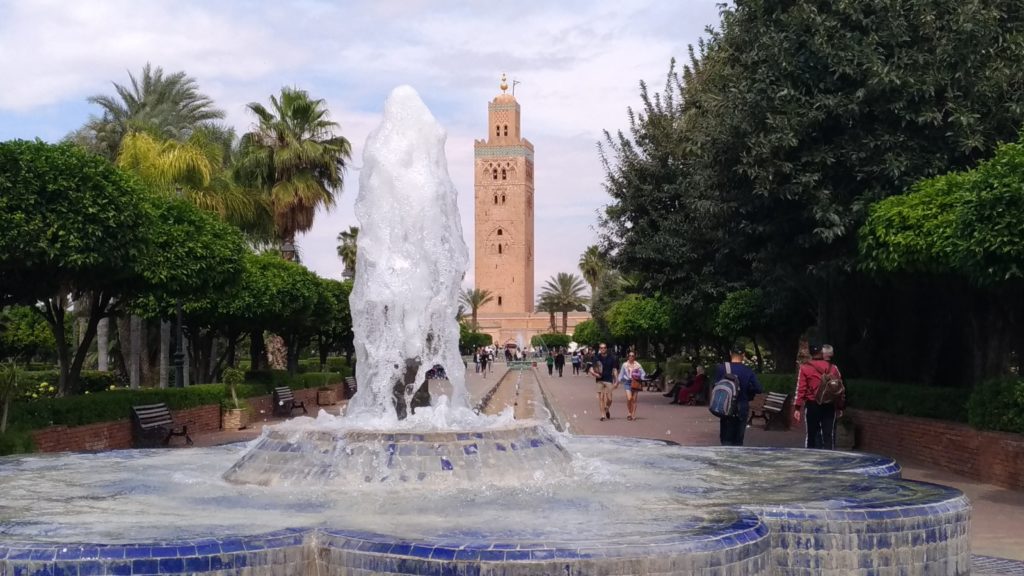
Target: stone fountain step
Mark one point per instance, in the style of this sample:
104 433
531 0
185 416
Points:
330 457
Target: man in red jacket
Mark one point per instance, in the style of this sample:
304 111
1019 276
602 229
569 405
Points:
820 419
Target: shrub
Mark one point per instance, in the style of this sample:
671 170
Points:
998 405
552 340
892 397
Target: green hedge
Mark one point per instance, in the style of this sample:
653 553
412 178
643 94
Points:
998 405
894 398
116 404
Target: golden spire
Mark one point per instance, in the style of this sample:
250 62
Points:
504 83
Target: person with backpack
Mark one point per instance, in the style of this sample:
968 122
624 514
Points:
820 398
735 386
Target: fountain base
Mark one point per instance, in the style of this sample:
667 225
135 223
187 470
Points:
324 458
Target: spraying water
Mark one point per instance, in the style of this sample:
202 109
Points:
410 263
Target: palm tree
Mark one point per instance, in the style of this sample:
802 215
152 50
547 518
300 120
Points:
592 265
196 167
473 299
293 156
347 250
564 292
168 107
545 303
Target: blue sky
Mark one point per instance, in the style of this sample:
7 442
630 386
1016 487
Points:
579 64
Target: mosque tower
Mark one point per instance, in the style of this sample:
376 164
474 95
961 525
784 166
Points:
503 179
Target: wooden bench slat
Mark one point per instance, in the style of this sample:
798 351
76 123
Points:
154 422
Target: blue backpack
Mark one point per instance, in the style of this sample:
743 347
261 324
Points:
724 394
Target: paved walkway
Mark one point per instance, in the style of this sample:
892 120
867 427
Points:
997 528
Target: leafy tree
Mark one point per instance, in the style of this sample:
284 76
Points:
758 161
587 333
295 158
470 340
347 250
25 335
959 227
474 298
550 341
74 228
169 107
640 319
563 293
743 313
334 327
592 265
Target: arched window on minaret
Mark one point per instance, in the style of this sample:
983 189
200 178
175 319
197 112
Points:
499 300
495 198
499 248
506 129
499 231
504 175
502 198
495 173
497 130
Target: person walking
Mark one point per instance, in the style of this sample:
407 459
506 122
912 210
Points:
577 360
560 362
483 362
476 360
631 374
605 370
819 415
550 361
732 428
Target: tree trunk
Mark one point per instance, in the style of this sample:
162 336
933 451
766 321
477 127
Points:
165 351
186 344
565 322
229 355
291 349
103 345
134 351
757 352
256 352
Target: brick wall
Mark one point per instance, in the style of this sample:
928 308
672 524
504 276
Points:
991 457
118 435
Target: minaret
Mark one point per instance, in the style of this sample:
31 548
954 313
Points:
504 209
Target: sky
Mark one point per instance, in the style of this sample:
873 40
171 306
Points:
578 64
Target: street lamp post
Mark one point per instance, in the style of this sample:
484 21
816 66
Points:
288 251
179 352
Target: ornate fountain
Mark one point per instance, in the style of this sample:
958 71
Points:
399 486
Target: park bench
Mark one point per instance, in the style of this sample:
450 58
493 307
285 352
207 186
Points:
284 402
153 426
654 381
350 386
768 406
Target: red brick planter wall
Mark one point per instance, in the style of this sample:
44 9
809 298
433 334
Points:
118 434
991 457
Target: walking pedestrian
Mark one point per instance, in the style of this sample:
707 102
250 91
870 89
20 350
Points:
577 360
483 362
732 428
550 361
560 362
818 413
605 370
631 374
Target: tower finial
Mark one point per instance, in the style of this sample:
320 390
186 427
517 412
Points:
504 82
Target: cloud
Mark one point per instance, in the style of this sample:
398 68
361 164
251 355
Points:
579 64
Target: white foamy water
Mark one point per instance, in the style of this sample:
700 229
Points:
410 265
